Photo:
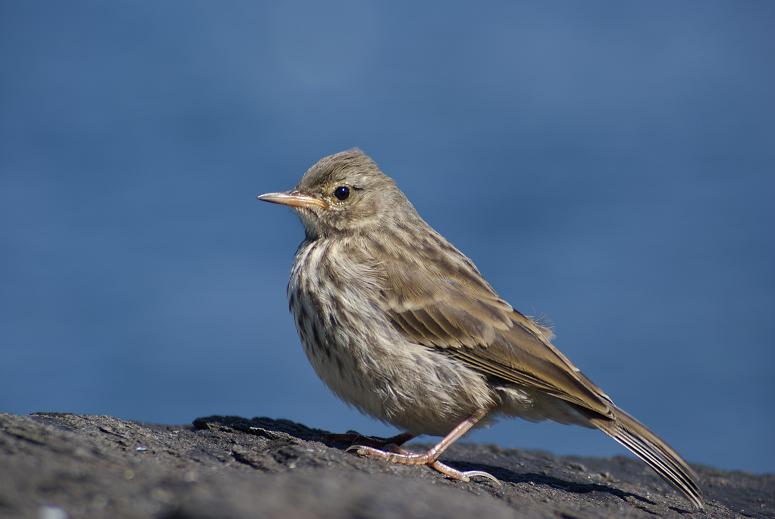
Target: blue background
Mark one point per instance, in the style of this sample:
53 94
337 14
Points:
610 165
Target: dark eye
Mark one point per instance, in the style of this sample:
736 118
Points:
342 192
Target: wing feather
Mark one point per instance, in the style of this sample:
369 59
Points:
446 304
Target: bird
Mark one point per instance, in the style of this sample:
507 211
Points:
402 325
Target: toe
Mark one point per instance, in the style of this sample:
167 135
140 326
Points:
481 474
357 449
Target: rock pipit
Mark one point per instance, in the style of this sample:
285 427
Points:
401 324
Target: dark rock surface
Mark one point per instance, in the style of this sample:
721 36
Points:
55 466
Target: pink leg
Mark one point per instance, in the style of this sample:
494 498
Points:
430 457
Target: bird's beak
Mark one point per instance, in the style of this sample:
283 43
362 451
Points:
293 198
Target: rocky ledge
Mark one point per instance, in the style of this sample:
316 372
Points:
58 466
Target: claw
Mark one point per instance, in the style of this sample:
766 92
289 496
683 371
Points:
480 474
356 449
460 475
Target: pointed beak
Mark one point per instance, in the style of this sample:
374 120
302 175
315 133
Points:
293 198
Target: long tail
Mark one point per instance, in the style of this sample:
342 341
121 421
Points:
651 449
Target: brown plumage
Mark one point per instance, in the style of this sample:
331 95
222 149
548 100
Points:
400 324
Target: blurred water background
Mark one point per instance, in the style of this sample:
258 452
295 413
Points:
610 165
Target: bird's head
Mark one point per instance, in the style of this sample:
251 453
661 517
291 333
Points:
344 193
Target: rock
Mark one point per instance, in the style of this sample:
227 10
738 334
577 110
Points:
55 465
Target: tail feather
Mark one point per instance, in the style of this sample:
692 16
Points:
651 449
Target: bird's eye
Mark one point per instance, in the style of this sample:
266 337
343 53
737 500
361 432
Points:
342 192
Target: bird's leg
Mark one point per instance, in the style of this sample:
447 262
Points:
371 441
432 454
430 457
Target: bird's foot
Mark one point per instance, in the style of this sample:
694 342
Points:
404 457
464 476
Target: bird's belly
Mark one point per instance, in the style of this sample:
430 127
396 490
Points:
410 386
360 355
416 393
